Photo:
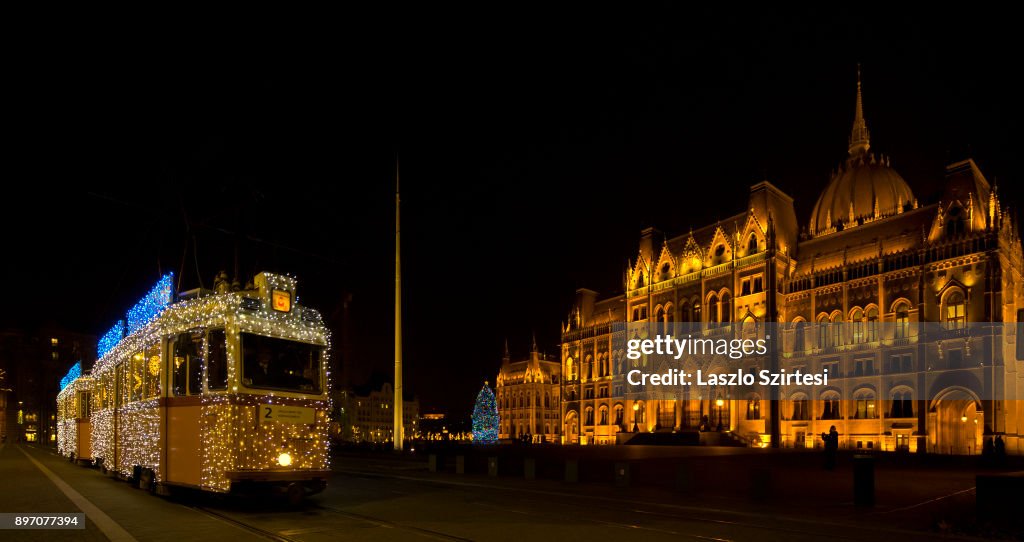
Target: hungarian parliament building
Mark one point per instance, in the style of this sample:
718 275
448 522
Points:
911 306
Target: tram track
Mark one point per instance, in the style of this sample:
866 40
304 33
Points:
372 520
270 535
756 522
380 522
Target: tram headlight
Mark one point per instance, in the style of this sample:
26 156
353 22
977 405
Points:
285 459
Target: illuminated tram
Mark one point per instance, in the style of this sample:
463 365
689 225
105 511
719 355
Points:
218 391
74 432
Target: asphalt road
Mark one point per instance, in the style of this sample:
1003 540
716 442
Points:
392 500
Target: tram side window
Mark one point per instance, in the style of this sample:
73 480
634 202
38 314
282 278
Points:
84 410
188 364
217 360
280 364
152 366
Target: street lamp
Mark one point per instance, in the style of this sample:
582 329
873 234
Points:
636 407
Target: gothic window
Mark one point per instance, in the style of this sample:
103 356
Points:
830 406
589 416
713 309
754 408
956 316
836 330
872 325
666 272
823 335
955 222
902 404
726 308
604 415
902 314
865 405
752 244
857 323
800 410
618 414
798 336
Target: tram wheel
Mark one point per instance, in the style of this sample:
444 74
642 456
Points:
296 493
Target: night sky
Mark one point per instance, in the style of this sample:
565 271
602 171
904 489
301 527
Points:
534 148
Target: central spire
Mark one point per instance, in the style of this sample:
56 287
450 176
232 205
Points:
860 140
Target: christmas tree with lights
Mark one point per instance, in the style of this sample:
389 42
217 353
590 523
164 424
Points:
485 417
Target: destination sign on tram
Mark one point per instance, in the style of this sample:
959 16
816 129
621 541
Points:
286 414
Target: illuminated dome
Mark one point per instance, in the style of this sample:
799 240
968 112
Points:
864 188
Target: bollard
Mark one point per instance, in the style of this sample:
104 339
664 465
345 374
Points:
863 480
622 474
492 466
432 463
460 464
529 468
572 471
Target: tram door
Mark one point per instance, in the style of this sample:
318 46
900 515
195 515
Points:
183 448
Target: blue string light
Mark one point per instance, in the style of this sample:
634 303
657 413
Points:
110 339
73 373
152 304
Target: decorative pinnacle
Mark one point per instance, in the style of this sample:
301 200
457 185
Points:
860 139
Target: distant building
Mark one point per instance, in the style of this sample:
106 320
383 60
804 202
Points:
34 362
365 414
527 394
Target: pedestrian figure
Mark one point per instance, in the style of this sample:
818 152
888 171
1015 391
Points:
831 440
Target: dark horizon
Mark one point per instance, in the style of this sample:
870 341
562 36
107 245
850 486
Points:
530 162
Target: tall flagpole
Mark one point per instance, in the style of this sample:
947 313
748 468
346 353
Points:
399 425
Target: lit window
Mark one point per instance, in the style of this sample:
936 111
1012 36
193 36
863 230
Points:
956 316
53 341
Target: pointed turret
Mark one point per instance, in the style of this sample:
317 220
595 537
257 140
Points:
860 140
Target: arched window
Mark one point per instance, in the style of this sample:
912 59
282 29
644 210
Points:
659 317
864 402
830 406
666 272
955 222
798 336
902 318
589 416
713 309
902 404
752 244
857 323
956 310
547 399
871 329
754 408
726 308
800 408
618 415
685 312
570 369
823 336
604 415
836 330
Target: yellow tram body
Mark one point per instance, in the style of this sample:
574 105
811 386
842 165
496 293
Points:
218 392
74 430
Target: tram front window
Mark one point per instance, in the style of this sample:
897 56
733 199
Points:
280 364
